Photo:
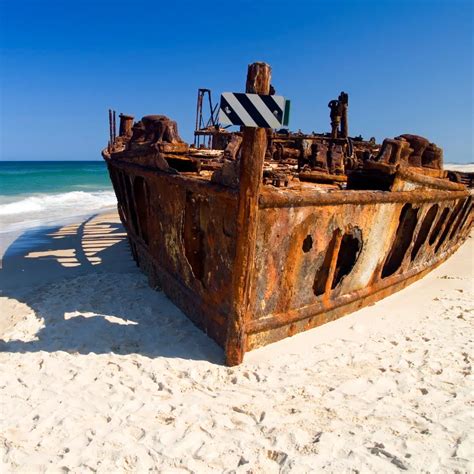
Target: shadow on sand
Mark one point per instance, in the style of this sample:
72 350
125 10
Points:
81 281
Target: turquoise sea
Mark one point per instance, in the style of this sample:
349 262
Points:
43 192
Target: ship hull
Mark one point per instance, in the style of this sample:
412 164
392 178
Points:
318 255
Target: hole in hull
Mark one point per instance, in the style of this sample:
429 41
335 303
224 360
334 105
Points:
140 193
466 220
307 244
424 230
131 204
403 238
439 225
450 222
115 176
321 277
462 217
349 252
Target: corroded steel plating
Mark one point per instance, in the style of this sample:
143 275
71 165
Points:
269 233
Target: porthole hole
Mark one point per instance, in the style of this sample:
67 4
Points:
349 251
307 244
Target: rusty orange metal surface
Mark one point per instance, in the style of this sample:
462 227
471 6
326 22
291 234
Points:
264 237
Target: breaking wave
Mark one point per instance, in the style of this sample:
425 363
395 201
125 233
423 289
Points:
26 211
73 201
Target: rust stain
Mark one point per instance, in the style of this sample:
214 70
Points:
268 233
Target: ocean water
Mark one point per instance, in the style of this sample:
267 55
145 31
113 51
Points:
34 194
39 193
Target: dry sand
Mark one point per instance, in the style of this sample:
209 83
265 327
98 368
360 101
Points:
469 167
100 373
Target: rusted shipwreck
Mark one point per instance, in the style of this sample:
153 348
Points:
267 233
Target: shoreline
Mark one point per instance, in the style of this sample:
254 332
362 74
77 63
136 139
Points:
99 371
9 236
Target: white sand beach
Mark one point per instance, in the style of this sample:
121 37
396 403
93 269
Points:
99 373
468 168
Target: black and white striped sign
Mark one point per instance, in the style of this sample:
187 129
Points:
254 110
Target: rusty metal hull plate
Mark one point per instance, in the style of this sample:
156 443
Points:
319 255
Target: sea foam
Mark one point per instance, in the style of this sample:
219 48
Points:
76 200
34 210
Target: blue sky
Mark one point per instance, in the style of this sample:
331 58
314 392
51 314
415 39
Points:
407 66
